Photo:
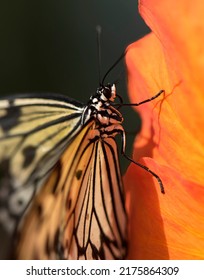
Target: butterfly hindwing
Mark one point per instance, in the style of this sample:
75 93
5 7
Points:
97 215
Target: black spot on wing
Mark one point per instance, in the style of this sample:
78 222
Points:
58 247
5 182
78 174
29 155
20 201
11 118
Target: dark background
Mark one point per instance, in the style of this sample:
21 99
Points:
51 46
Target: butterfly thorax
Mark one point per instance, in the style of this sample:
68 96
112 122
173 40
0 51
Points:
108 119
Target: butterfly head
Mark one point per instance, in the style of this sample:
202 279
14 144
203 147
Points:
107 92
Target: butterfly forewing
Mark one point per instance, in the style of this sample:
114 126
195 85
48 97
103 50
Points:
33 134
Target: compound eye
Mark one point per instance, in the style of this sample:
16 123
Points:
107 92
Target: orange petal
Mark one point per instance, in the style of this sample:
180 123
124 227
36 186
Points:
168 226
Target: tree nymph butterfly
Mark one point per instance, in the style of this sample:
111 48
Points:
61 191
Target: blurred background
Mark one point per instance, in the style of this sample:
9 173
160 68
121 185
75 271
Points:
51 46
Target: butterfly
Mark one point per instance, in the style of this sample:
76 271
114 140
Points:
61 190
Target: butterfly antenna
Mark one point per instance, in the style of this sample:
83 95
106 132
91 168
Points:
114 64
98 31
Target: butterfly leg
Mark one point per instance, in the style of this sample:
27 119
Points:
139 164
